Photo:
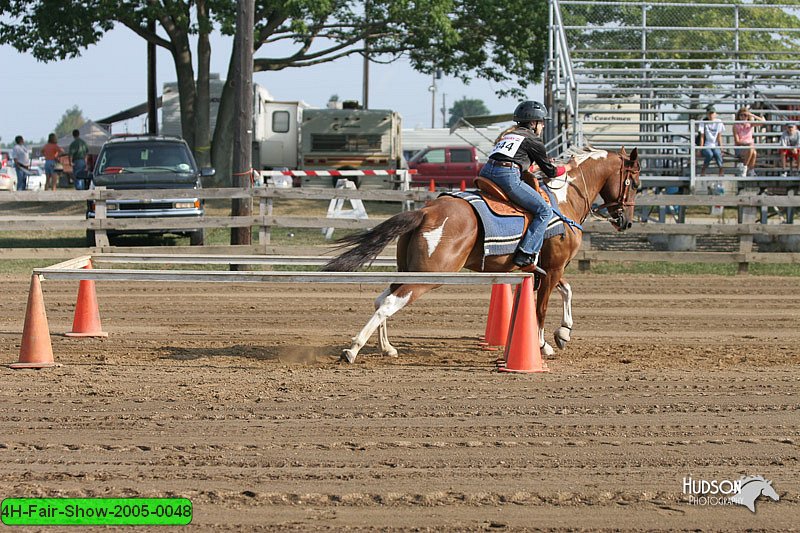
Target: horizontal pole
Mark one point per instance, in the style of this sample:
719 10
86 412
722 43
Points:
701 81
656 228
704 61
675 4
671 51
681 28
206 259
228 193
212 276
707 72
689 257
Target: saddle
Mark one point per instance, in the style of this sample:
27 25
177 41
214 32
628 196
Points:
499 202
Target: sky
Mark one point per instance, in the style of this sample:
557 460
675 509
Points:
111 76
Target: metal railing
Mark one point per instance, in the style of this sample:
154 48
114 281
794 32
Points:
561 74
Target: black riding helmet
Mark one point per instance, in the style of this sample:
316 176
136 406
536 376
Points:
530 111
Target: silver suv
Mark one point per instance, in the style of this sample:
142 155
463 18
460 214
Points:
149 162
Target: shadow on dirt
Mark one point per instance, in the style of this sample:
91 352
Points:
279 354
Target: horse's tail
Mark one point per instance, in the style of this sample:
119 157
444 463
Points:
368 244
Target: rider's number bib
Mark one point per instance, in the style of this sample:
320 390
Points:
508 145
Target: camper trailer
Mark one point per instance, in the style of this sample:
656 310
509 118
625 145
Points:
275 124
350 139
289 135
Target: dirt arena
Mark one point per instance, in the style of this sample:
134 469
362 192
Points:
233 396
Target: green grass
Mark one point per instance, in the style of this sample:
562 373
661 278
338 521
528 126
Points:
664 268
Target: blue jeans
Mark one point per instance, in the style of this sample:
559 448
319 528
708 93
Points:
22 178
79 168
525 196
712 153
79 174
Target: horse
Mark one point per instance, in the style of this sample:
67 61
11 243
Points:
446 236
751 488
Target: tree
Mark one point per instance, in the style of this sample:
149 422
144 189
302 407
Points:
464 38
72 119
466 107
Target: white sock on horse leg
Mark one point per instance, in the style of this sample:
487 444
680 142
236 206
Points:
391 304
563 333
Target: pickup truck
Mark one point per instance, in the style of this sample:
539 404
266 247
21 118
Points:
150 162
447 166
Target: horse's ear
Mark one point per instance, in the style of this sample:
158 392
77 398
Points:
634 154
622 152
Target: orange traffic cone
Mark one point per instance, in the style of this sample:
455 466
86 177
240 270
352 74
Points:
35 350
492 306
87 314
432 186
499 316
522 352
463 185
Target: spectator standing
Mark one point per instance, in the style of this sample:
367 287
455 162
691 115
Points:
21 155
743 139
790 147
711 131
51 151
78 150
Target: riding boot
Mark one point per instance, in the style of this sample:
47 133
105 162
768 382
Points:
524 260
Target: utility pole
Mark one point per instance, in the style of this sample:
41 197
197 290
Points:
365 88
444 110
152 90
436 75
243 116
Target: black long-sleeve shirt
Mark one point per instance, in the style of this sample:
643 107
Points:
522 146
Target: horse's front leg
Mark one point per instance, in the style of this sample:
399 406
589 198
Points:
563 333
542 299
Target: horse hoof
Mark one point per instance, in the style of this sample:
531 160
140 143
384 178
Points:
392 352
547 350
348 355
562 337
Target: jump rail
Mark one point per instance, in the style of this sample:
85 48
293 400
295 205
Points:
73 269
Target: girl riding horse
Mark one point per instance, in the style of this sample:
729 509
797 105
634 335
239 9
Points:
445 236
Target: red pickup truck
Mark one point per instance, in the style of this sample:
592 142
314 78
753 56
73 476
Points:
447 166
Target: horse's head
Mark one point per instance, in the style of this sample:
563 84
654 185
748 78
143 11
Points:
768 491
619 191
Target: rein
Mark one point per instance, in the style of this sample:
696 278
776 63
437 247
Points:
623 200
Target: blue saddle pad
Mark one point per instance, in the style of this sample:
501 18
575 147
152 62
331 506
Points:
502 233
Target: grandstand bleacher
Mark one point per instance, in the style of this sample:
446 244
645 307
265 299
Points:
642 73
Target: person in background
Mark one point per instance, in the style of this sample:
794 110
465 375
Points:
711 131
21 155
78 150
743 139
51 151
790 147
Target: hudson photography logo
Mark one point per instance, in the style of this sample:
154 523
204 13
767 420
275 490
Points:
744 491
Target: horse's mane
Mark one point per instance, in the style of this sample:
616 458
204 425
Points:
580 155
748 479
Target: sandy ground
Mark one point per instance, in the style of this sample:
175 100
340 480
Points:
233 396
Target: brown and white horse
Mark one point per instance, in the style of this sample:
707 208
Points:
446 236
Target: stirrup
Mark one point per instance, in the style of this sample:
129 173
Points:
524 260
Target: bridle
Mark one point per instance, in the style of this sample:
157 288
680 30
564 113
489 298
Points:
626 197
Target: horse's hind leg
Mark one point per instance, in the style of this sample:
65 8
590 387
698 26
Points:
562 334
383 334
400 296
